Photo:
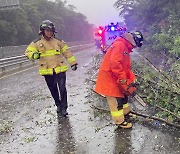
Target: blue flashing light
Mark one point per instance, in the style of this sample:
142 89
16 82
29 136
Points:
112 28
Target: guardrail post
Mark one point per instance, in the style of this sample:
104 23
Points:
20 65
33 61
1 52
3 70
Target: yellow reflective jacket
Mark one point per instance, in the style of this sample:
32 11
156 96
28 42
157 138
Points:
53 55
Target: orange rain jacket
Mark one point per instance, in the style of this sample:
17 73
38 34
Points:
115 66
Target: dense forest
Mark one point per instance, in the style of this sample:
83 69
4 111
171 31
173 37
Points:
21 26
159 21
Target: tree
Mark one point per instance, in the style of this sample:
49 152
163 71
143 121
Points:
159 20
21 26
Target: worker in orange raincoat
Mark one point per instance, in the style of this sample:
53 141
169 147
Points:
115 75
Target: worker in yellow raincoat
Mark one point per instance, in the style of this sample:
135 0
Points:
53 54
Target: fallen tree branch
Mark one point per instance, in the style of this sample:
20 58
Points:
160 71
168 111
136 97
95 74
96 92
156 87
143 115
91 80
156 118
98 108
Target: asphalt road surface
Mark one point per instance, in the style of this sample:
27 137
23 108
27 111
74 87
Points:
29 123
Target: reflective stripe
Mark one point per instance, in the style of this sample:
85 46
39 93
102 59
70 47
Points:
46 71
30 51
30 48
64 49
125 105
50 53
49 71
61 69
71 59
117 113
29 55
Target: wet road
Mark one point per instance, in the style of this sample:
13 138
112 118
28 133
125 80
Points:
29 124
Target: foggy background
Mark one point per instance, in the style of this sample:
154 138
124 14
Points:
98 12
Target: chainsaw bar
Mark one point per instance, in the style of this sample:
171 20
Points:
139 99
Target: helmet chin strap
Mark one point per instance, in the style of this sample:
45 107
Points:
47 38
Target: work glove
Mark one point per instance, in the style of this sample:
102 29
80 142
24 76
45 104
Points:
74 67
36 55
127 87
131 91
123 85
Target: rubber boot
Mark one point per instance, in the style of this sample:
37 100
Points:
125 125
61 112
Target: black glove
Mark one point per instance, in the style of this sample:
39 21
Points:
36 55
74 67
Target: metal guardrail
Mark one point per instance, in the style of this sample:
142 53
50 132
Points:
9 51
22 59
9 4
7 62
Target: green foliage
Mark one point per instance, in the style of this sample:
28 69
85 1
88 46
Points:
162 42
158 20
21 26
176 48
158 91
30 139
6 29
6 127
160 24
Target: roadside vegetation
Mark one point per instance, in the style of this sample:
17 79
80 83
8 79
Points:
158 20
159 79
160 92
21 26
160 97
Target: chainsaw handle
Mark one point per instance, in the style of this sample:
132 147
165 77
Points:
132 85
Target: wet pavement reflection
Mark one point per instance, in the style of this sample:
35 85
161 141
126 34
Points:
65 140
122 141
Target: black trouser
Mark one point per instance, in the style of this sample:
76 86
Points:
121 102
57 86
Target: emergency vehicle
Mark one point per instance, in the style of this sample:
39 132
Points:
97 36
109 34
